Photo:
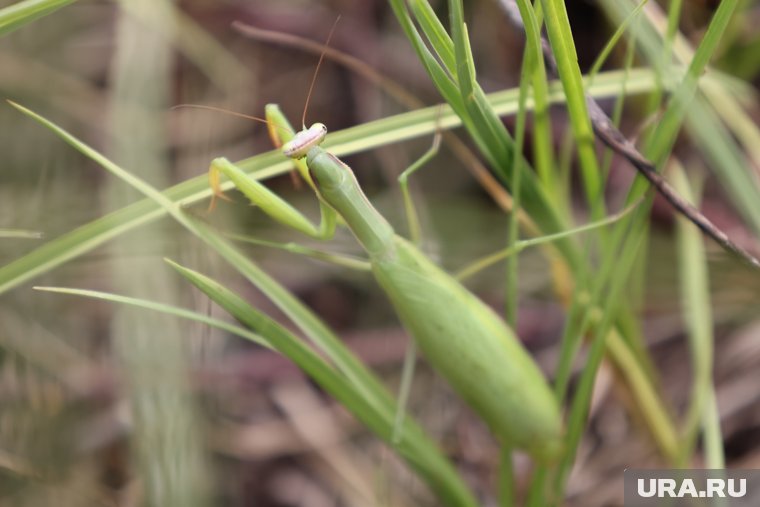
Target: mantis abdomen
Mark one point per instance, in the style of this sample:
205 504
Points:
474 350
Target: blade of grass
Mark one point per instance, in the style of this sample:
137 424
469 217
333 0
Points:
713 438
490 133
524 16
346 261
561 39
170 462
670 122
619 33
578 414
176 311
723 100
512 265
697 315
506 487
727 160
22 13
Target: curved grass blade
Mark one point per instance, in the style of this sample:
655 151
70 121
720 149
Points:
697 314
561 38
19 14
175 311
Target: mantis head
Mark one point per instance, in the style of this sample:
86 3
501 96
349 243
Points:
304 140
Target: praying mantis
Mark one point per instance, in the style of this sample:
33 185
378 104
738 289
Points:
462 338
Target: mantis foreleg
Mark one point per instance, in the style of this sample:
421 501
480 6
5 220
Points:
273 205
270 203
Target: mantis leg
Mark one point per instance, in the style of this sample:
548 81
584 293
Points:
491 259
415 233
346 261
280 131
412 217
273 205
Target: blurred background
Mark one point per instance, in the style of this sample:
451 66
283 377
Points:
221 421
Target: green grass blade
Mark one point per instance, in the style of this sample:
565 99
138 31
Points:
489 130
577 417
670 123
19 14
175 311
561 38
436 33
543 149
612 42
697 315
441 76
727 160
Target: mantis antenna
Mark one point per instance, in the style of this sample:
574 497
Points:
262 120
229 112
220 110
300 143
316 71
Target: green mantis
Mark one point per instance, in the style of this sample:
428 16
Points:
465 341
